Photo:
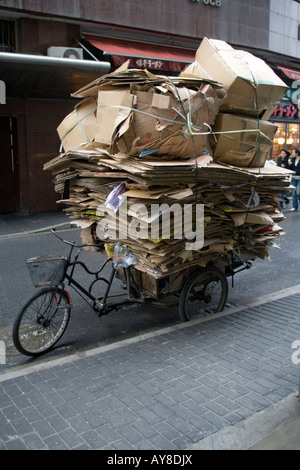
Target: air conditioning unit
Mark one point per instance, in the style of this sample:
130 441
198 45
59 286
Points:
65 52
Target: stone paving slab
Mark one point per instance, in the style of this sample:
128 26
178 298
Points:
167 391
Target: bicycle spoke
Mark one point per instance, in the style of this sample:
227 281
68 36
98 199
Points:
42 322
204 294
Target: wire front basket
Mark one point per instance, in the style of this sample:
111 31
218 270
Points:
47 271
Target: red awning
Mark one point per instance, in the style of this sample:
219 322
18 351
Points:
290 73
142 55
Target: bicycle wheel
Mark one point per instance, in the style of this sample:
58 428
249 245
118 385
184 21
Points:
41 322
204 293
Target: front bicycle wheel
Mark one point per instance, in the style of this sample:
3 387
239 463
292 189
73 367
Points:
42 321
204 293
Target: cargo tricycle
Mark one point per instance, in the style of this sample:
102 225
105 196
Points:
42 321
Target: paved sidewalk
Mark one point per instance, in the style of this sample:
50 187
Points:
224 383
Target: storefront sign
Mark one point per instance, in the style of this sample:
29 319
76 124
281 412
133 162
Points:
289 111
213 3
150 64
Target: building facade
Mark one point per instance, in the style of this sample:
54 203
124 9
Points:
284 39
48 49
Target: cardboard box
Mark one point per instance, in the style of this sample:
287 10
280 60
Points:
242 141
77 130
252 86
140 114
147 283
160 124
113 108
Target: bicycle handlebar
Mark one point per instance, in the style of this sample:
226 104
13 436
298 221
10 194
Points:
53 230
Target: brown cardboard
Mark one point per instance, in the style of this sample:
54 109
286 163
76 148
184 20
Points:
153 99
77 130
113 108
146 124
181 145
139 112
223 219
242 141
259 218
156 125
252 86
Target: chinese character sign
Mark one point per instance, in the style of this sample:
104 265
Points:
289 111
150 64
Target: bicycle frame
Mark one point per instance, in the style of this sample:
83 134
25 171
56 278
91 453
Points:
134 294
140 290
100 305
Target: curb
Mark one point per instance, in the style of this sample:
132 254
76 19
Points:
244 435
65 225
89 352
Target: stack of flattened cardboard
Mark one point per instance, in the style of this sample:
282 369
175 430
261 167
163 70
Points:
241 212
147 146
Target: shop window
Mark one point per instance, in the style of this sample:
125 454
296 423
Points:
292 137
287 137
279 140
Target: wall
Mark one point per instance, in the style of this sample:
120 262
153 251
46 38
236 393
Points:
38 142
37 35
42 120
243 22
46 22
284 22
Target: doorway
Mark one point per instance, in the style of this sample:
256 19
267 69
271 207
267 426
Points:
9 185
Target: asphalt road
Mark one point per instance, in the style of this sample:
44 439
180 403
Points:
86 329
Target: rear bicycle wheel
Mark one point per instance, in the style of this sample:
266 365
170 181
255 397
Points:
41 322
204 293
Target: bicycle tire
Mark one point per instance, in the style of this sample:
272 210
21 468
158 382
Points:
41 322
204 293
